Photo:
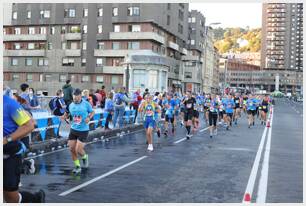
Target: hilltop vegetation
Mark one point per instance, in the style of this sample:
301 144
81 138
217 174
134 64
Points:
226 40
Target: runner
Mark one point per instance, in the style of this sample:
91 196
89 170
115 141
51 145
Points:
196 114
176 109
189 103
81 112
237 113
213 115
169 106
244 101
149 107
264 111
17 124
228 105
251 110
206 107
158 102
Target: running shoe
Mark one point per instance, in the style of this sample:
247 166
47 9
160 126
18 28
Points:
77 170
40 195
166 133
216 132
227 128
150 147
85 161
32 167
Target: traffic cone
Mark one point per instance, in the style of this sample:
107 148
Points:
247 197
268 123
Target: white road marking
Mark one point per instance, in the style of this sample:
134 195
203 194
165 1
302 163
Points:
101 177
180 140
250 186
263 181
234 149
202 130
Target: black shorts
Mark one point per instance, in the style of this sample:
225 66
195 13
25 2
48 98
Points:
221 113
252 112
237 106
11 173
196 114
213 116
265 110
188 115
169 119
78 135
229 115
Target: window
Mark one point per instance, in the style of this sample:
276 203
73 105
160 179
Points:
134 28
43 62
44 14
115 11
99 62
75 29
52 30
31 45
68 62
181 15
116 28
85 12
17 30
190 64
14 15
84 46
115 62
99 79
133 11
115 80
192 42
74 45
42 30
168 20
85 78
140 79
152 79
16 46
63 29
29 77
188 75
84 29
169 6
28 61
62 78
15 76
48 77
193 20
100 12
115 45
100 45
133 45
14 62
50 46
99 29
180 28
83 62
69 13
28 14
64 45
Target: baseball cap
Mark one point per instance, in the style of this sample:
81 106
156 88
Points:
77 92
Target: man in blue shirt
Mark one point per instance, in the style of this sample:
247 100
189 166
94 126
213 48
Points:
17 123
81 112
169 105
228 104
251 109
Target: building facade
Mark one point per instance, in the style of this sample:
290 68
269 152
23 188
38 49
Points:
282 36
209 62
46 44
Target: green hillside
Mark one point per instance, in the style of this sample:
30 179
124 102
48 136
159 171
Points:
226 40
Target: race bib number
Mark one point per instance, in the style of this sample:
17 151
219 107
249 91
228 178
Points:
189 106
264 107
237 101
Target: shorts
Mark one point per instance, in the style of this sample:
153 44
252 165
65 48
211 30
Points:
265 110
252 112
213 116
221 113
78 135
188 115
177 112
229 115
196 114
237 106
11 173
149 122
169 118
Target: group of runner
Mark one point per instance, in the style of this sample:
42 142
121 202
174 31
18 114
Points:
164 110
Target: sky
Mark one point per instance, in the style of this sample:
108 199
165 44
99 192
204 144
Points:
230 14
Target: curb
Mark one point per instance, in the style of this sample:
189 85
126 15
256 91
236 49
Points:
59 143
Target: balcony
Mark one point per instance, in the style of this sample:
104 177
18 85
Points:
115 53
190 58
73 52
113 70
136 36
173 45
25 37
72 36
24 53
184 51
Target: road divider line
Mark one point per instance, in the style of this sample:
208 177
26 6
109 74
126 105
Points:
180 140
101 177
202 130
263 181
251 182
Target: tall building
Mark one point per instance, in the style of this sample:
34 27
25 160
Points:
282 36
193 61
132 44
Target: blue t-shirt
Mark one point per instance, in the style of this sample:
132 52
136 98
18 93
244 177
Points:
14 115
169 105
79 113
228 105
251 104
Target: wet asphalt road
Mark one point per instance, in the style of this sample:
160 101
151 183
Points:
196 170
